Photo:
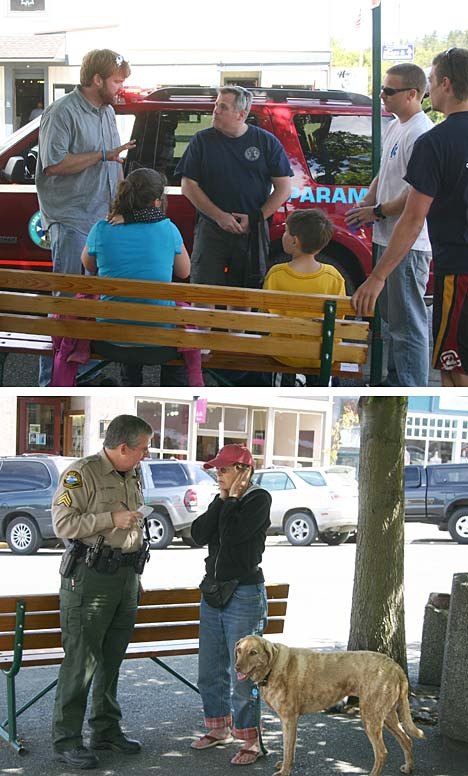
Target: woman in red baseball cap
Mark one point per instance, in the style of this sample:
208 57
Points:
233 601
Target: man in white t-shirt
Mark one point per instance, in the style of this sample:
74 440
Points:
402 303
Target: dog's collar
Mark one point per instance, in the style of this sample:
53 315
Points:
264 680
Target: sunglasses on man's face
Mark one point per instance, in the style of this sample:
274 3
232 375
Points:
389 92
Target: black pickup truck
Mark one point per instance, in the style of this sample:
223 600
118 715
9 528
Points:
438 494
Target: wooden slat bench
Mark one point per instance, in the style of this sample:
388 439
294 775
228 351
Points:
167 624
237 338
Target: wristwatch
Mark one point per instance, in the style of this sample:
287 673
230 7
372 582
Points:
377 210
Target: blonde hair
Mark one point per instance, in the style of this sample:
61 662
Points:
103 62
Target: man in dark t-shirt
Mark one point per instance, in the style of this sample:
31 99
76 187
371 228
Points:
236 176
438 174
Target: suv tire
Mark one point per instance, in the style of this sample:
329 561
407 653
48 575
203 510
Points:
458 525
333 539
300 529
23 536
161 531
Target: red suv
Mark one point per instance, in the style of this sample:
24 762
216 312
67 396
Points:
327 136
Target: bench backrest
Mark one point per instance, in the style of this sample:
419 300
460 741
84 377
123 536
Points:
237 331
163 615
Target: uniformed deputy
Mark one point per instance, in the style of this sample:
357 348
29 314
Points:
98 496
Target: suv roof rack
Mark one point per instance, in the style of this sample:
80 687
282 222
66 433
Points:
275 95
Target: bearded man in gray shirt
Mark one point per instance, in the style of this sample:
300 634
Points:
79 164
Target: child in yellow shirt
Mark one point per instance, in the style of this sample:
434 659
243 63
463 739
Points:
307 232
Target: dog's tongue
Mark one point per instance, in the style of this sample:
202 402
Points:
241 677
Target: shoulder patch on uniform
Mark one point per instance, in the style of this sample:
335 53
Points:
73 479
64 498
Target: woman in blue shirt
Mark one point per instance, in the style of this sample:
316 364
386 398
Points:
139 242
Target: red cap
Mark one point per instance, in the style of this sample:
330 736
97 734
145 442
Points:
229 455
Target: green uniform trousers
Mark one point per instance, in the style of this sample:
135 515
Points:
97 616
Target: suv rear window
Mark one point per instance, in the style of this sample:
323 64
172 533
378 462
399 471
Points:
168 475
274 481
27 475
337 149
312 478
197 474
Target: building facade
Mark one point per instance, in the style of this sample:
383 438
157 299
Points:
42 43
279 430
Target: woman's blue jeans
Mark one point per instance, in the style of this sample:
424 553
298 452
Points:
223 696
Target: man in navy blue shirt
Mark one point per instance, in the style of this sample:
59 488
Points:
236 175
438 174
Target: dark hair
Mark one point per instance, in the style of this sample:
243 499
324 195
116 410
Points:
126 429
312 227
412 76
453 64
103 62
139 190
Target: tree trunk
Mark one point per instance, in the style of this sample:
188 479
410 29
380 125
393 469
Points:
377 615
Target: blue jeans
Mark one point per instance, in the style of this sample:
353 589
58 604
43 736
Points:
66 246
404 313
220 629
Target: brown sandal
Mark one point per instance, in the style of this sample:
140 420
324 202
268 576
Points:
252 754
210 741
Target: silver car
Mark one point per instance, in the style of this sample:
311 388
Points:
309 503
178 491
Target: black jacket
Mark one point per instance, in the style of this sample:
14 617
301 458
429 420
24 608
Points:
235 531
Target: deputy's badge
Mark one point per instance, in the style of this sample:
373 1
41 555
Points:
73 480
65 499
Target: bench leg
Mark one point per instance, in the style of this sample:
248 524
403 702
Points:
175 673
9 735
328 331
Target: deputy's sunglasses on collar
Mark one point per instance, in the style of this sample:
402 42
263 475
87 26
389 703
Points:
389 91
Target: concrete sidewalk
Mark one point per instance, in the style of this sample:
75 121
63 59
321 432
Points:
166 716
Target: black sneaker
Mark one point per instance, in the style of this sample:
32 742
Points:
79 757
120 744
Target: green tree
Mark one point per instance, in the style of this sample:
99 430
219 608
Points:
377 615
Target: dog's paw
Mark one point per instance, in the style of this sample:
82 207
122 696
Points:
280 771
406 769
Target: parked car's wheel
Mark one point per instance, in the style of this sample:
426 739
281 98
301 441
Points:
300 529
458 525
23 536
335 538
161 531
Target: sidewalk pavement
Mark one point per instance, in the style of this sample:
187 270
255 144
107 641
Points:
166 716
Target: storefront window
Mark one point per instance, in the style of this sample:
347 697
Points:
170 423
213 418
440 452
285 434
258 436
305 447
176 418
235 419
77 431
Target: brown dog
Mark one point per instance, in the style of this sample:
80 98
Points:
301 681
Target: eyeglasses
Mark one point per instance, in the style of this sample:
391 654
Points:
389 92
238 466
449 57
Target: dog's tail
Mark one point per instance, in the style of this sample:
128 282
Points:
404 711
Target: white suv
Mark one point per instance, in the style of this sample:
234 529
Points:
178 491
309 503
